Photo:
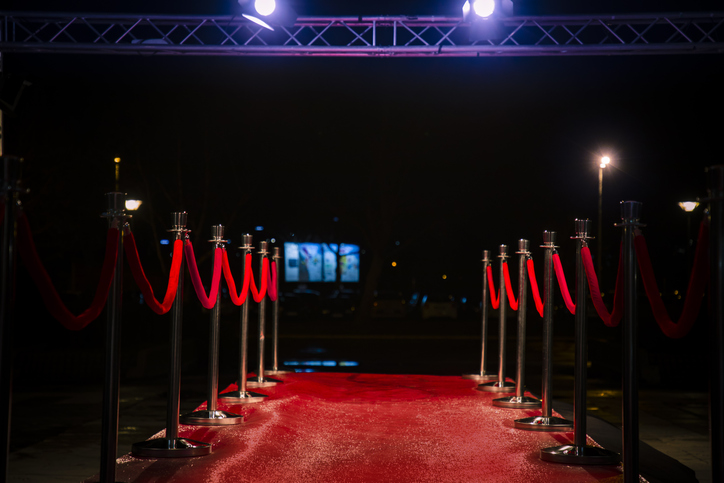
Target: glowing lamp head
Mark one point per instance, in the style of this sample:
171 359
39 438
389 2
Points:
133 205
265 7
688 206
604 161
484 8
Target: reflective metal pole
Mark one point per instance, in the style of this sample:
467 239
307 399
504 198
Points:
211 416
260 380
716 258
501 385
242 395
546 421
116 215
171 446
276 256
11 197
630 215
520 400
482 375
579 453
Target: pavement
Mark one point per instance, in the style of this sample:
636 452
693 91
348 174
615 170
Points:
56 420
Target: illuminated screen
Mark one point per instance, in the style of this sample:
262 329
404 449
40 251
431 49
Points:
317 262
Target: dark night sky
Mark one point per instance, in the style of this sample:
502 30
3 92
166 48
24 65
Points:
479 152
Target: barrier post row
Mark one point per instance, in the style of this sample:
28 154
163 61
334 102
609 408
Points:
260 380
501 385
211 416
241 395
546 421
579 453
116 215
11 196
276 256
482 375
630 216
520 400
716 291
171 446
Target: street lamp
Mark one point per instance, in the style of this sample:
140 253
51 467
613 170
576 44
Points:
605 160
688 207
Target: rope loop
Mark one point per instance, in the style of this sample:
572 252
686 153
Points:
209 301
494 299
51 299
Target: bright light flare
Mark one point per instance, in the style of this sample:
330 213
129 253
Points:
133 205
484 8
265 7
688 206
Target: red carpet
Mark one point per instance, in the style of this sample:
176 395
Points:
331 427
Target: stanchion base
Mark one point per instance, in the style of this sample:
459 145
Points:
170 448
211 418
517 402
541 423
265 382
570 454
275 372
243 397
481 377
496 386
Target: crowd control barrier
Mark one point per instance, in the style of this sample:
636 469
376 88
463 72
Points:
633 260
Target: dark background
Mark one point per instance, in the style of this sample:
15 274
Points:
445 156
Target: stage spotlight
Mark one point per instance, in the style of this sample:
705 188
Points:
485 18
268 13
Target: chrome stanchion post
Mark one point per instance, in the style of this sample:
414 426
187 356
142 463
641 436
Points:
482 375
276 256
546 421
260 380
630 215
242 395
520 400
171 446
716 259
501 385
579 453
211 416
11 196
116 215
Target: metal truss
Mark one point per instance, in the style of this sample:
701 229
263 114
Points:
397 36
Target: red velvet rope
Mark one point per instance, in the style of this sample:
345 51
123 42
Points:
562 283
210 301
272 290
139 275
534 287
258 295
694 293
494 300
241 298
51 299
614 318
509 288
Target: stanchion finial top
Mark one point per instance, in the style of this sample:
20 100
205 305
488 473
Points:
486 256
549 238
631 210
263 248
246 239
276 253
179 219
523 245
583 227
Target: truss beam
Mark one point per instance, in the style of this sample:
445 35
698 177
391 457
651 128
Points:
398 36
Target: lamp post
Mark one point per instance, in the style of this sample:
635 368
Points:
688 207
605 160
